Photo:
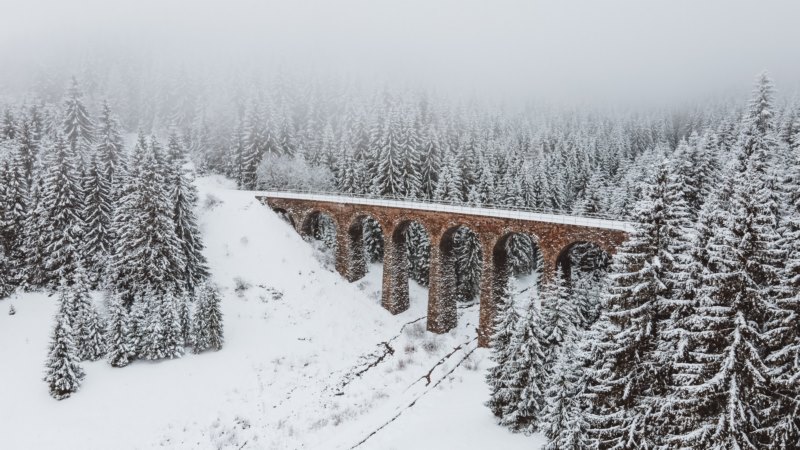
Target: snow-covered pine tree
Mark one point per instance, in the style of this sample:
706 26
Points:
562 419
628 381
97 208
783 329
525 373
63 373
120 349
59 224
418 250
13 211
561 316
183 309
207 320
5 275
507 321
88 327
468 262
373 239
110 151
184 200
147 252
388 146
161 328
77 126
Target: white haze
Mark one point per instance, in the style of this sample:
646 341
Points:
570 50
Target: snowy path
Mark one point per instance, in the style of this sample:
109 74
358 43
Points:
306 362
594 222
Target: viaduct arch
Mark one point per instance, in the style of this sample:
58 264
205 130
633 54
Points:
552 234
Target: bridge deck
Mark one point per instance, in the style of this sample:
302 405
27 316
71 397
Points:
458 209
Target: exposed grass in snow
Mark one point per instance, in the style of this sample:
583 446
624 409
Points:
310 361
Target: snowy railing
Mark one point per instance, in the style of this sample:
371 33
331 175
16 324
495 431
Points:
501 211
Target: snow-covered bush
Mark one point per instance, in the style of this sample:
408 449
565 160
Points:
286 172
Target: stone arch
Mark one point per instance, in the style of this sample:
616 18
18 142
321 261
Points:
396 266
564 260
444 282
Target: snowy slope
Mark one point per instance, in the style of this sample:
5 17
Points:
310 361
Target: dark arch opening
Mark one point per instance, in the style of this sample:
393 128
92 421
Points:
584 266
462 256
366 234
412 239
582 258
518 255
320 226
283 214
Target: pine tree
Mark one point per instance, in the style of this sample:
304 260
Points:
63 372
468 261
88 328
147 251
563 421
184 199
507 321
110 151
526 374
97 207
628 380
77 126
561 316
59 223
120 349
207 320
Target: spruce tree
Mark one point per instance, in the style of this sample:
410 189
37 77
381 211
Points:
628 381
88 328
110 151
77 126
97 209
59 223
563 421
207 320
63 373
526 374
120 349
507 321
147 251
184 200
561 316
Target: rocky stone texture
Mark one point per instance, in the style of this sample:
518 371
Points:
553 240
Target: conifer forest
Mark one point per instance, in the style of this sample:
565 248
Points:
134 252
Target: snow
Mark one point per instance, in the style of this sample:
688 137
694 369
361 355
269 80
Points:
286 377
454 208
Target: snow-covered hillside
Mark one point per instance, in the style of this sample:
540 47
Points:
310 361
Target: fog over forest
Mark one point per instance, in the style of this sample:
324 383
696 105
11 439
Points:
609 52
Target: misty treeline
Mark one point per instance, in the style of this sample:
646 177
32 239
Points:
697 344
80 211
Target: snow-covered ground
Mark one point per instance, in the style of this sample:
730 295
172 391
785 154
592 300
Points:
310 361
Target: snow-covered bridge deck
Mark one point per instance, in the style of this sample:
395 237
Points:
446 207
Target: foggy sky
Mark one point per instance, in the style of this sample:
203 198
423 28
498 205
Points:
601 49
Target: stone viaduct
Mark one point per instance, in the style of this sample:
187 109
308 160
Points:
553 234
